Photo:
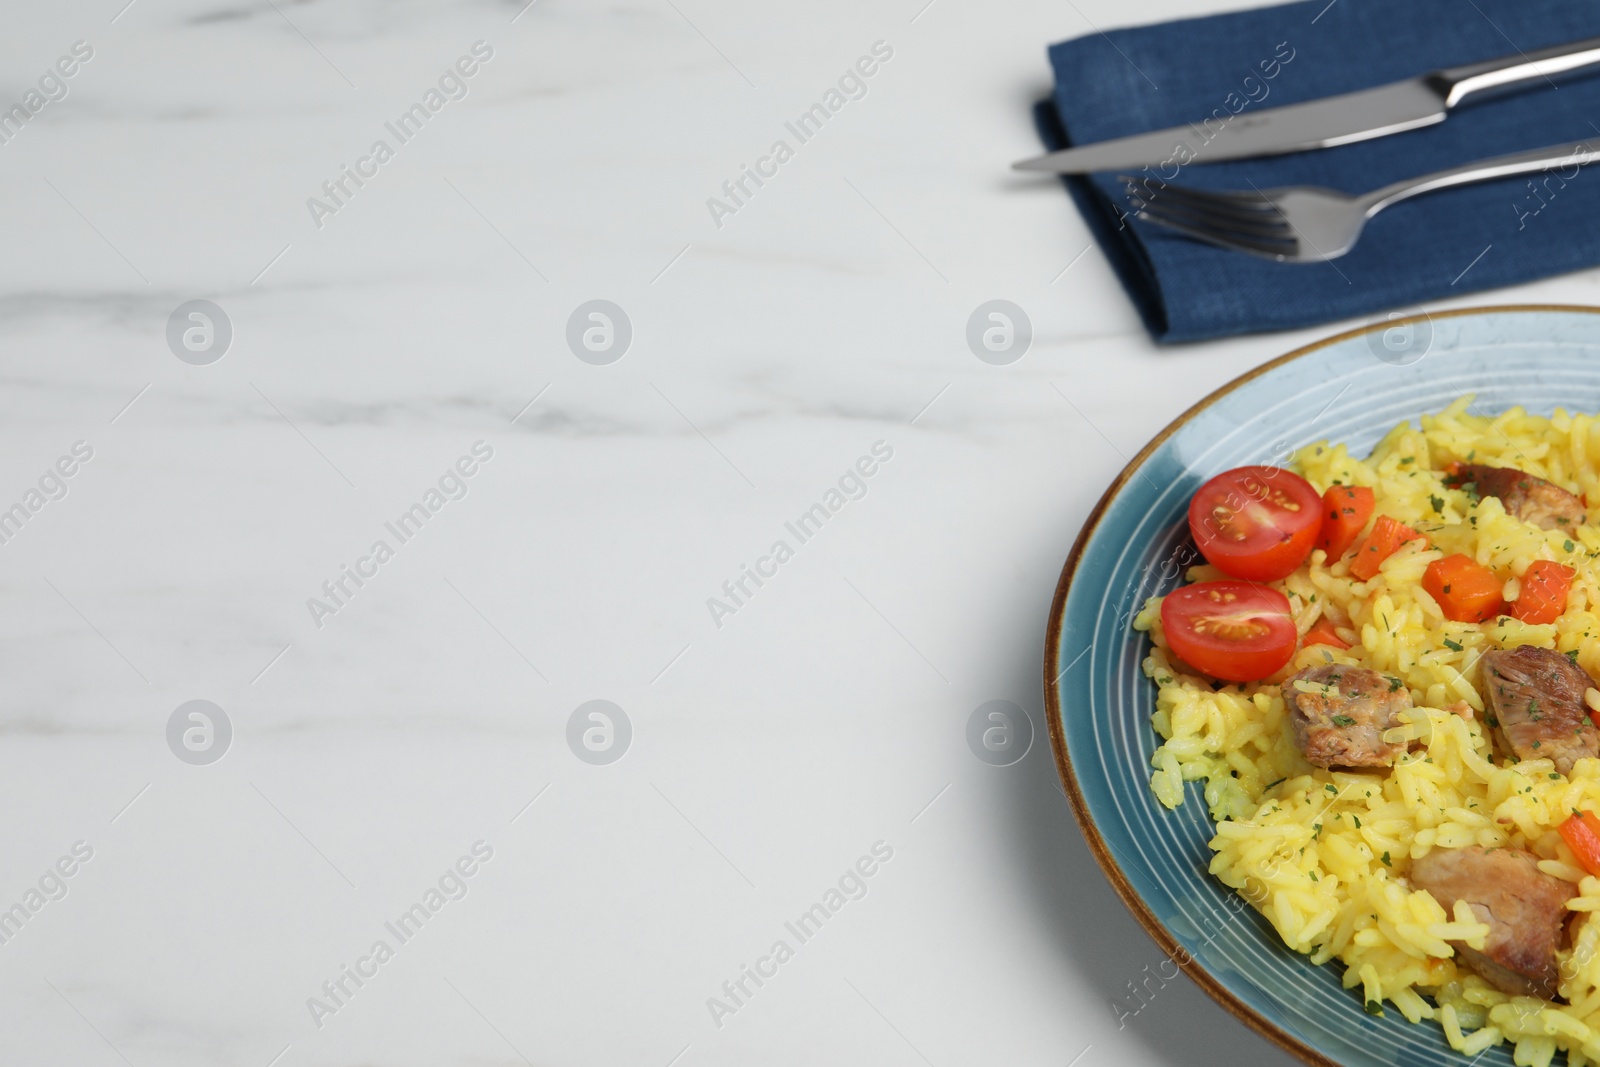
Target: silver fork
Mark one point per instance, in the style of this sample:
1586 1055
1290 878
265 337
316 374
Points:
1305 223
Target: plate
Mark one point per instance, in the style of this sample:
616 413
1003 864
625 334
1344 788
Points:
1352 388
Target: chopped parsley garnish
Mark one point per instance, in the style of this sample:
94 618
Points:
1395 684
1341 720
1438 504
1451 645
1385 859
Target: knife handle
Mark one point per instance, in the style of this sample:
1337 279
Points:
1481 80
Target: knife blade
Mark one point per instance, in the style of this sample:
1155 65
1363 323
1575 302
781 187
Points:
1408 104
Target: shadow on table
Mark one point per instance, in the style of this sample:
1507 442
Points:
1078 910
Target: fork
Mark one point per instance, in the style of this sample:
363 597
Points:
1306 223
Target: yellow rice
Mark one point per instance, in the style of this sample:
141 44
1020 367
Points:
1324 855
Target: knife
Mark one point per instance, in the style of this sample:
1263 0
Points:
1333 120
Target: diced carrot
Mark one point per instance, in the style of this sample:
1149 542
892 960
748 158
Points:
1581 832
1466 590
1385 539
1322 633
1544 592
1345 510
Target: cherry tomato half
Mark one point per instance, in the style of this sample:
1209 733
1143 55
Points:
1236 631
1258 523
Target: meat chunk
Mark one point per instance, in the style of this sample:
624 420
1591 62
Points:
1536 697
1524 908
1339 714
1530 499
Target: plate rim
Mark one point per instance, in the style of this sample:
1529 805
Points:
1109 866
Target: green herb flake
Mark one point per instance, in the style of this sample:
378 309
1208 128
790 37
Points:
1451 645
1385 859
1341 720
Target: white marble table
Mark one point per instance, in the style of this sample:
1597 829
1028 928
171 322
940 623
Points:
388 728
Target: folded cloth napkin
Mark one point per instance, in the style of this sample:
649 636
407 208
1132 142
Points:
1443 244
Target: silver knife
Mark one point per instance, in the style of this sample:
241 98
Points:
1333 120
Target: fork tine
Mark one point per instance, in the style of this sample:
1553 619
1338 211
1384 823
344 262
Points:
1269 227
1278 251
1250 205
1282 241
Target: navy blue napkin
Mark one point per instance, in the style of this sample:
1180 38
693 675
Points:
1443 244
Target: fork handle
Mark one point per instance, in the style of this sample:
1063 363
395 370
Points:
1574 153
1481 80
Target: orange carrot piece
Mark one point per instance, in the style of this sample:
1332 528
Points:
1322 633
1544 592
1466 590
1345 510
1581 832
1385 539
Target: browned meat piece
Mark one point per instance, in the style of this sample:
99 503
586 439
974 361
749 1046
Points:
1530 499
1524 908
1536 698
1339 715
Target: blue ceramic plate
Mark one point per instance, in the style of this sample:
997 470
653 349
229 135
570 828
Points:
1351 388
